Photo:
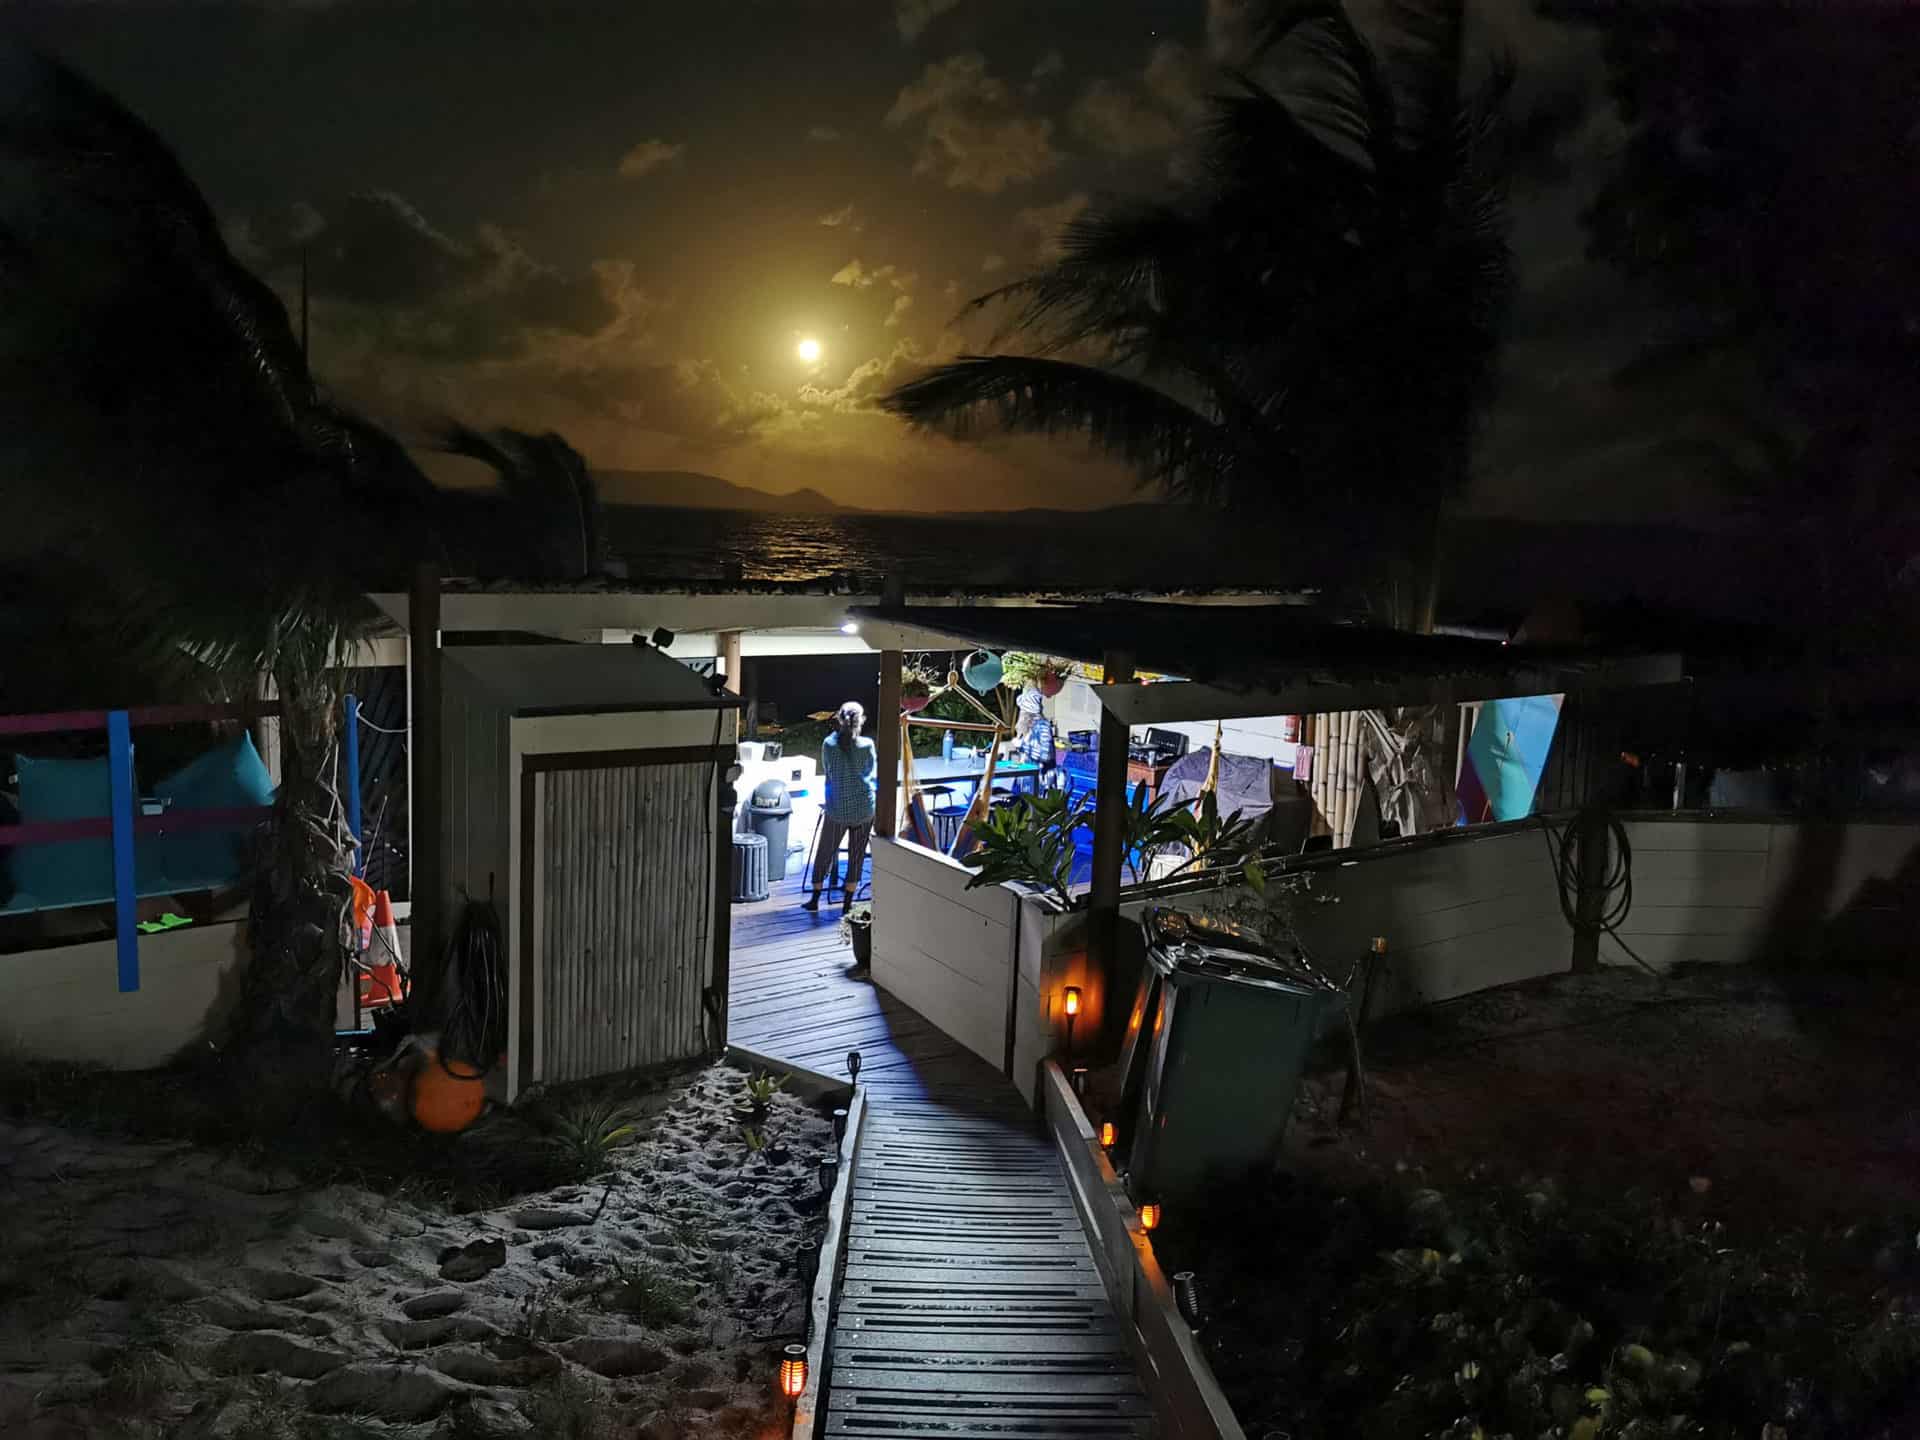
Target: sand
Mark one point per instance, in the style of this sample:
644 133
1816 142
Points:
150 1290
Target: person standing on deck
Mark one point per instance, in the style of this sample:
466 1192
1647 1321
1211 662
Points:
851 766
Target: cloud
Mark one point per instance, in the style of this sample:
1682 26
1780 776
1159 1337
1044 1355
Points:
856 276
852 273
973 133
993 263
846 217
902 303
687 399
867 380
1152 113
1231 26
913 16
1045 222
390 274
822 134
647 157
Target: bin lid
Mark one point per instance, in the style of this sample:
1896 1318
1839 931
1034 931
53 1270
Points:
771 795
1197 947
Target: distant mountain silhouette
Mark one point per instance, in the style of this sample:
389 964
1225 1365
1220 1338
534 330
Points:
689 489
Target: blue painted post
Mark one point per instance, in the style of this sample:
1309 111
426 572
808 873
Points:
120 779
353 783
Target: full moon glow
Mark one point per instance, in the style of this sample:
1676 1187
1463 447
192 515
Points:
808 350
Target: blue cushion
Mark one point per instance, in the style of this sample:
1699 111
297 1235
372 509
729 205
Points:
67 872
227 777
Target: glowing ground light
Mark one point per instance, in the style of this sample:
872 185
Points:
808 350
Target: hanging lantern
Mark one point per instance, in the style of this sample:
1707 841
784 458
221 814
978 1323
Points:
981 670
793 1371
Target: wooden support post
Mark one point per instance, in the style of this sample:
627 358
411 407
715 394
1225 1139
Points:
427 881
1592 836
1109 837
887 733
730 659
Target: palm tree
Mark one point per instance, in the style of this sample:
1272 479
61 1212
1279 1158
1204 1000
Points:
167 452
1313 321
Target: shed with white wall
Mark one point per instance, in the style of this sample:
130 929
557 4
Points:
585 793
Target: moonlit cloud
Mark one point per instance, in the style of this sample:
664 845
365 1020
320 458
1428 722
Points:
974 135
913 16
846 217
822 134
647 157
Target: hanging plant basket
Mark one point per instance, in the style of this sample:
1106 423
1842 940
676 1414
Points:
914 704
1051 683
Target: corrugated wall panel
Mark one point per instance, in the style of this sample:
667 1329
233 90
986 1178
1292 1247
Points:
624 942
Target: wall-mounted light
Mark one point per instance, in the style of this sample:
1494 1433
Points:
1072 1001
1107 1135
662 637
850 627
1150 1215
793 1371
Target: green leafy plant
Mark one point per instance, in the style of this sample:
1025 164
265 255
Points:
914 684
1030 843
756 1140
860 913
1019 669
761 1088
581 1136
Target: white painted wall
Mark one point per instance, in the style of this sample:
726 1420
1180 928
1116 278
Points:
943 949
65 1003
1709 890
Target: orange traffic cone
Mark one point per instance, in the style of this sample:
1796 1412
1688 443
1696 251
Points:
383 957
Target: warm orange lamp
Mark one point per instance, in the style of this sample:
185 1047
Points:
793 1371
1150 1215
1072 1001
1106 1135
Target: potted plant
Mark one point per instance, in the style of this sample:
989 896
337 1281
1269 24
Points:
856 927
1019 670
916 691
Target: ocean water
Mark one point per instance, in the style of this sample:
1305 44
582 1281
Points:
1136 547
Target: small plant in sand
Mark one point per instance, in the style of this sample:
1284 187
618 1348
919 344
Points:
581 1137
646 1294
761 1089
755 1140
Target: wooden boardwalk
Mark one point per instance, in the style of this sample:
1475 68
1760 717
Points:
970 1306
792 999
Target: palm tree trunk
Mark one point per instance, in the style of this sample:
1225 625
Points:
281 1034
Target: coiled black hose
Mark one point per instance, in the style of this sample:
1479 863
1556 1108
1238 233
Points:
1615 883
474 1031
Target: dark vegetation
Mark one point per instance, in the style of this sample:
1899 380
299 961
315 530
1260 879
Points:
1464 1304
565 1136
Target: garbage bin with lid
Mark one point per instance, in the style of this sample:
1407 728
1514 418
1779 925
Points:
768 812
1215 1047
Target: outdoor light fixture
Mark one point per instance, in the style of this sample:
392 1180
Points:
1070 1004
662 637
829 1172
1186 1295
1107 1135
1077 1078
853 1066
839 1124
849 628
1150 1215
793 1371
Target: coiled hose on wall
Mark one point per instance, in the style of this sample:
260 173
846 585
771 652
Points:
474 1031
1613 882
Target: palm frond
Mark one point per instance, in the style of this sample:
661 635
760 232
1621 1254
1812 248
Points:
552 504
1166 441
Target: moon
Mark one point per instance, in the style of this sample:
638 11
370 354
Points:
808 350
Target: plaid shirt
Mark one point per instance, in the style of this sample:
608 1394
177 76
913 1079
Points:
851 779
1039 743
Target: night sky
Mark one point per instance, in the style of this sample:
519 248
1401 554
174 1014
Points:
620 220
